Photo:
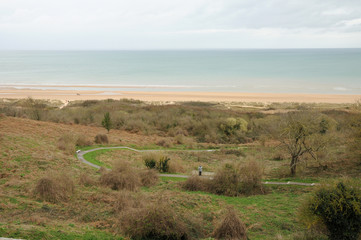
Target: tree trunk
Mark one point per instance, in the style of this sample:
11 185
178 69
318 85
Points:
293 165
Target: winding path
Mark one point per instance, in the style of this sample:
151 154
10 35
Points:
80 155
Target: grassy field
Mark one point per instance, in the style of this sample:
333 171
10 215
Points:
33 149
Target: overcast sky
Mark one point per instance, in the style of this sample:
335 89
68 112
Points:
179 24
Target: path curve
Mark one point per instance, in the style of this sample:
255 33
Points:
80 155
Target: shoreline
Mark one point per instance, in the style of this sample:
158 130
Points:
170 96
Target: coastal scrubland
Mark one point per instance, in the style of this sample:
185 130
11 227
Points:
47 193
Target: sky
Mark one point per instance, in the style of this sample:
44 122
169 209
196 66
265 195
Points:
178 24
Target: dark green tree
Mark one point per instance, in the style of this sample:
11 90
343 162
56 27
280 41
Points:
106 123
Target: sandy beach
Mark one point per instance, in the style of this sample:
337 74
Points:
168 96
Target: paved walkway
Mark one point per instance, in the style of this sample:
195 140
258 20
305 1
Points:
80 155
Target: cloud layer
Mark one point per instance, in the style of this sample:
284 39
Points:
176 24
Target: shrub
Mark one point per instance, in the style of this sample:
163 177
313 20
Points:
226 181
121 177
150 160
149 178
154 221
195 183
101 138
231 227
82 141
230 180
54 188
251 174
165 143
162 164
338 208
66 143
157 161
124 200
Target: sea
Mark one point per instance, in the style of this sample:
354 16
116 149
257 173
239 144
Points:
325 71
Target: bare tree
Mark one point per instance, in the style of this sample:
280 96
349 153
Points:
299 133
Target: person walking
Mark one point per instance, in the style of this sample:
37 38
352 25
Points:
200 170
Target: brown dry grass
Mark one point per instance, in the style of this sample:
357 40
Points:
86 180
101 139
231 227
54 188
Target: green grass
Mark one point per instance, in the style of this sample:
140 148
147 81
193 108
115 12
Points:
92 157
174 179
266 216
36 234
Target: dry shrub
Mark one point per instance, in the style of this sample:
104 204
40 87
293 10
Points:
230 180
175 166
149 177
126 200
101 139
226 181
66 143
195 183
153 221
123 176
86 180
82 141
251 178
231 227
165 143
54 188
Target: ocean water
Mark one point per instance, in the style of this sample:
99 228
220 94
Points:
336 71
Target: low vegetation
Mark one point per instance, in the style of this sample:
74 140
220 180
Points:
39 140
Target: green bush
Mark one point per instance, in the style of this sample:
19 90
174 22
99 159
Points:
163 164
338 208
149 163
156 161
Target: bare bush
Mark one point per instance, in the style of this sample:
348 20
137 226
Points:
66 143
101 139
149 178
54 188
154 221
195 183
165 143
123 176
226 181
82 141
124 200
230 180
251 178
231 227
